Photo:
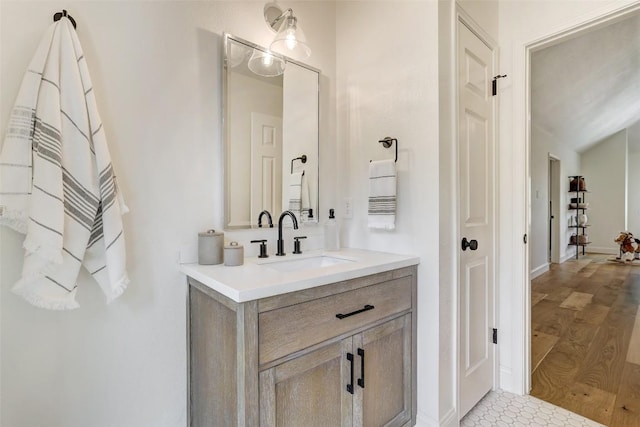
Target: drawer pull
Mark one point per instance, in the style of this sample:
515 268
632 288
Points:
361 379
350 386
365 308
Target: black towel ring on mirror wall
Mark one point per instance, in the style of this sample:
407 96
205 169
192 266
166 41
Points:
388 142
58 15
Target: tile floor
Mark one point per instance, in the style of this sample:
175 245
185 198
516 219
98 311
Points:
499 408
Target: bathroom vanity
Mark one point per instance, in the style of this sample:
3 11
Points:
319 339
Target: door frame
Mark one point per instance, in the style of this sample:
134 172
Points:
522 350
555 166
463 18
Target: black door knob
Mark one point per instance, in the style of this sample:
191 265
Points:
471 244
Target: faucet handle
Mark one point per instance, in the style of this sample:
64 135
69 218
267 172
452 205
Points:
263 248
296 244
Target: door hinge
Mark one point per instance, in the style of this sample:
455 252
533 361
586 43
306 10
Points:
494 84
495 336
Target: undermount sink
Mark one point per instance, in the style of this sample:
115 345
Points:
306 263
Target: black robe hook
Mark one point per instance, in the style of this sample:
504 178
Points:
58 15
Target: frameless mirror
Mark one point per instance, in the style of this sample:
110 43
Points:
271 117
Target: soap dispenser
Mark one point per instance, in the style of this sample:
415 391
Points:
331 233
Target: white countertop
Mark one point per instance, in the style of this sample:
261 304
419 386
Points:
255 279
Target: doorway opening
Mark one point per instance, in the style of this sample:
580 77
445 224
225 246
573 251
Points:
589 291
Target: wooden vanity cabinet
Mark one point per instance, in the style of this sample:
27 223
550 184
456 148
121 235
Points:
289 360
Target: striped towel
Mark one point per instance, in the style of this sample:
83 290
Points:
382 194
299 195
57 184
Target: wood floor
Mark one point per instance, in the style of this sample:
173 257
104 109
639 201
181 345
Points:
585 337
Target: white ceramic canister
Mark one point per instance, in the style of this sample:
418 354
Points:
210 247
233 254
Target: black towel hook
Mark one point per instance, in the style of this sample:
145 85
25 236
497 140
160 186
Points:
388 142
58 15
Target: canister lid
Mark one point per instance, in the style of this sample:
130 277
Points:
233 245
210 233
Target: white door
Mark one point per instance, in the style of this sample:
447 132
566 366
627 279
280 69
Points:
266 164
476 218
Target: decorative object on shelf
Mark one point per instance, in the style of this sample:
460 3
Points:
582 219
573 221
577 184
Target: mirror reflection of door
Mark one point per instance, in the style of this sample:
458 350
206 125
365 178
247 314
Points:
266 163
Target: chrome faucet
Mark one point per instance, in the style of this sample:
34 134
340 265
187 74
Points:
265 212
295 226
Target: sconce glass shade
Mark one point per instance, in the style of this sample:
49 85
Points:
266 64
290 39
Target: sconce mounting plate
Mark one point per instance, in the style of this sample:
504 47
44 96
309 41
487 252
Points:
271 12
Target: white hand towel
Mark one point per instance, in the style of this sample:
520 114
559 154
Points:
382 194
304 198
65 199
299 195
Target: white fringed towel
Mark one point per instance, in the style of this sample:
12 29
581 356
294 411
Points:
299 195
382 194
57 184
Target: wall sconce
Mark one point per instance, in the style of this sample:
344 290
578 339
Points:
266 64
290 39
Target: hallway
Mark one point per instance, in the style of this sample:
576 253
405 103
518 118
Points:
585 352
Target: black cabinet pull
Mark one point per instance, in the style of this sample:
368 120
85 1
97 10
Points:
361 379
365 308
350 386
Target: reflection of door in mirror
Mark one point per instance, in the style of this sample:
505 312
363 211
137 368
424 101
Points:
269 121
266 163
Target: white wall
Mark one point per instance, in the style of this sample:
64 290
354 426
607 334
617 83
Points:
404 90
524 23
604 167
387 86
156 69
543 144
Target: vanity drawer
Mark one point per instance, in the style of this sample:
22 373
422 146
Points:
289 329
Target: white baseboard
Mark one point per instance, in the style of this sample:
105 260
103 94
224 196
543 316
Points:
539 270
423 420
603 250
450 419
567 256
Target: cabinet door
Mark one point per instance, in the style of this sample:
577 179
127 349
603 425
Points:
310 390
383 393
